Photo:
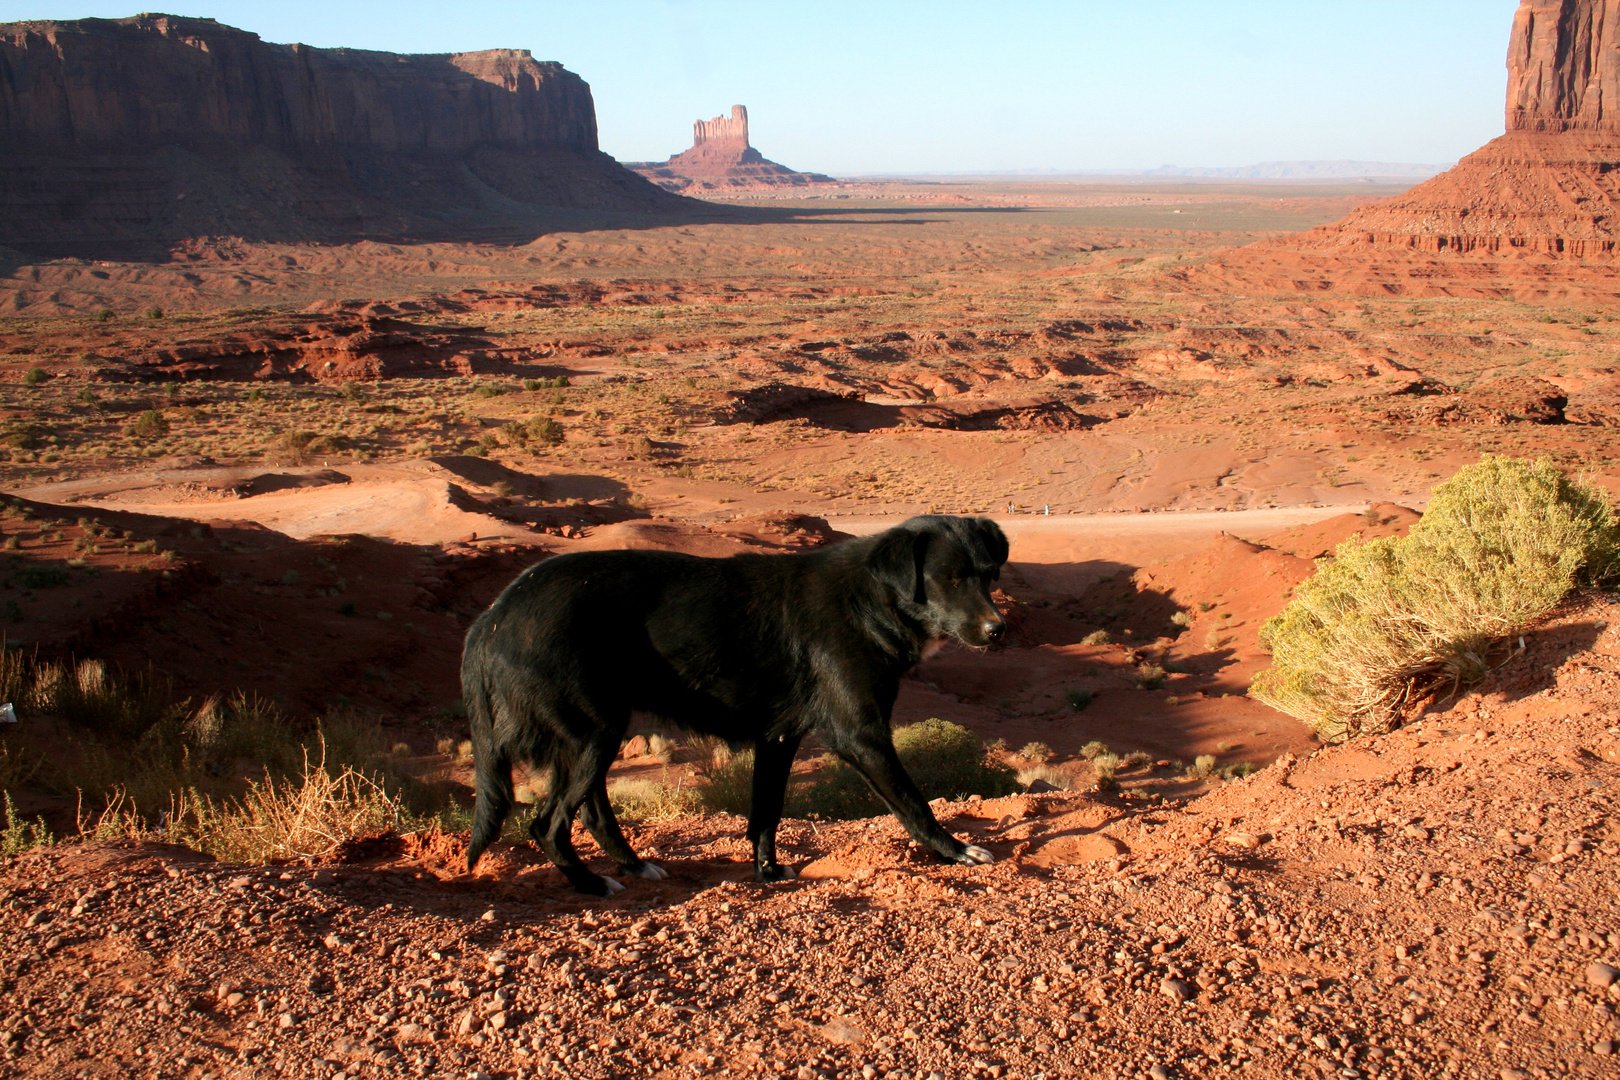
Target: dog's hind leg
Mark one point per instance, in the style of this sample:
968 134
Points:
603 824
553 823
874 757
773 760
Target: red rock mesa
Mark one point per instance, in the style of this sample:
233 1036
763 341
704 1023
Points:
722 159
120 133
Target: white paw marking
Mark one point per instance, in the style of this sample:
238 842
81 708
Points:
612 886
977 854
652 872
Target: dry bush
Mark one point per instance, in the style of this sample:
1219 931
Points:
1097 637
1150 676
1203 766
1037 752
661 748
945 760
301 817
1390 623
1092 749
1106 766
1136 759
1061 779
652 800
726 782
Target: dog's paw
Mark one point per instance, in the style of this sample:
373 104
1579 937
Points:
973 855
609 886
650 871
776 873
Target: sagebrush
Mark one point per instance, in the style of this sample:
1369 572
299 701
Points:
1386 624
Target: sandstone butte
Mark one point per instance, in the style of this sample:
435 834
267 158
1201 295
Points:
1548 186
124 133
721 159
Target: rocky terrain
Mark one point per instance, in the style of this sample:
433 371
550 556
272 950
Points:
126 136
1436 902
293 470
722 161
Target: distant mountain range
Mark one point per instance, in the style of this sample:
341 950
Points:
1265 170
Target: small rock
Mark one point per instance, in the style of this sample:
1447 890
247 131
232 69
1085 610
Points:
234 998
1603 1047
1415 832
464 1024
1158 1072
1602 975
488 916
499 1020
1516 1074
1242 840
286 1020
332 941
1039 787
1177 990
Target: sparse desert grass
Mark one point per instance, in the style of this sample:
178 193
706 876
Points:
654 800
945 760
133 753
1389 623
1062 779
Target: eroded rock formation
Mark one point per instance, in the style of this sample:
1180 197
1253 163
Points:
721 158
1550 185
125 132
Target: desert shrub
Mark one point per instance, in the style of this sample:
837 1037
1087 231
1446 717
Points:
945 760
18 836
558 383
661 748
1150 676
1182 619
1061 779
652 800
726 782
23 437
1092 749
39 577
1097 637
150 424
1203 766
491 390
34 376
1106 766
154 312
1079 699
545 431
105 315
1389 623
1036 752
1136 759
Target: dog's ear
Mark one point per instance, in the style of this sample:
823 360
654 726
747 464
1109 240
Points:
897 561
995 541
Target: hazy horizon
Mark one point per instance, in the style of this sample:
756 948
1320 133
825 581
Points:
940 88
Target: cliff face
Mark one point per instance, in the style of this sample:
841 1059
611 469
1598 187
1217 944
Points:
156 128
1564 66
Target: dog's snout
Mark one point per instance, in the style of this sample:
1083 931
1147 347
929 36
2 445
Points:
993 629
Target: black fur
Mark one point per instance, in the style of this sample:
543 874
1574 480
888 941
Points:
754 648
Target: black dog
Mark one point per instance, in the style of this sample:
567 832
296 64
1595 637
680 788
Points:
753 648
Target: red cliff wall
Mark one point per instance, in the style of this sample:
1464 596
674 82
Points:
1564 66
119 133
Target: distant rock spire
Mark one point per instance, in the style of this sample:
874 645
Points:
722 159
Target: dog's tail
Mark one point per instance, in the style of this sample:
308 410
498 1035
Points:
492 769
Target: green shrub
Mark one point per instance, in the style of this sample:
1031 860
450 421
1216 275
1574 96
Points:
945 760
545 431
1079 699
36 375
489 391
1386 624
150 424
154 312
39 577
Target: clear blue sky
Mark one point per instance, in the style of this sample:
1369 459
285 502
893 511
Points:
861 86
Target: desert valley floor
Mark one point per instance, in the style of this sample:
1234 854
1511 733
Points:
297 471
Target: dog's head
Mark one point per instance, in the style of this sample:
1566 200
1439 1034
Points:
940 569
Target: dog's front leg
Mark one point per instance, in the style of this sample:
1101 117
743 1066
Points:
873 756
773 761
